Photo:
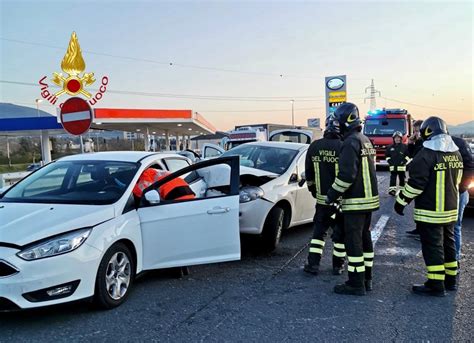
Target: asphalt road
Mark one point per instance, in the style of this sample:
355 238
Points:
267 297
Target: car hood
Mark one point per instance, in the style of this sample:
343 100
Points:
257 172
21 224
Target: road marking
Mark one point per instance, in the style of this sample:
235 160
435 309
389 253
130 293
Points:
376 232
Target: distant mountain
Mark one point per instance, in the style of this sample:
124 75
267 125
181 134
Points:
465 128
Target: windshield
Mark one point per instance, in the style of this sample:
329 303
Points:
271 159
291 137
74 182
384 127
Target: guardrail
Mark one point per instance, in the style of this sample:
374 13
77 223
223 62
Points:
9 179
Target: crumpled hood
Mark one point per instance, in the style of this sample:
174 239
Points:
257 172
21 224
443 143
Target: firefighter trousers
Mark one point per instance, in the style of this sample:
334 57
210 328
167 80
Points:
359 247
439 253
324 218
393 180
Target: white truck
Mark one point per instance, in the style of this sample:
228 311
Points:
271 132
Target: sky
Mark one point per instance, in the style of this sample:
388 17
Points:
242 62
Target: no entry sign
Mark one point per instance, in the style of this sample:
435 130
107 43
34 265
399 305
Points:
76 116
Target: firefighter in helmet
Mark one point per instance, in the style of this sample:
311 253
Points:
434 178
397 158
320 170
356 182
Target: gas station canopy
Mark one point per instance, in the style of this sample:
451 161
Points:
152 121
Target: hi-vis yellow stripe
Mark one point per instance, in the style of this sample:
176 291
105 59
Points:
366 177
336 168
459 179
440 190
317 177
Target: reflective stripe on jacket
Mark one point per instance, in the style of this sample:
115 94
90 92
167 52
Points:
434 183
356 180
321 166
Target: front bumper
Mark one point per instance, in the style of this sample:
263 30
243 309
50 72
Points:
252 216
81 264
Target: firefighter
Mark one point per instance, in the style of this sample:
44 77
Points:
175 189
434 178
356 182
397 158
320 169
415 143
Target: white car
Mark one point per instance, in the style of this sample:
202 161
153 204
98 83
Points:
73 229
271 199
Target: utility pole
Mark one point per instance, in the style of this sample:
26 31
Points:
371 97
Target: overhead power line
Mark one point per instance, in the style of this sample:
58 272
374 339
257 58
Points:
424 106
247 99
193 96
174 64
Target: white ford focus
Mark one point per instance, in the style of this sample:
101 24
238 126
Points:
271 199
74 229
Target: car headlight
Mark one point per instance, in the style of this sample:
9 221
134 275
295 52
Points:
55 246
471 185
250 193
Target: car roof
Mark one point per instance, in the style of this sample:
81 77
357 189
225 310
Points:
284 145
125 156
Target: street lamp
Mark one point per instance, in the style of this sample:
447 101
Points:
292 112
41 132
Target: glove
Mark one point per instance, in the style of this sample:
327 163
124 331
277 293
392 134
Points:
399 208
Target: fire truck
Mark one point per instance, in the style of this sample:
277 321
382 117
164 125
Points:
380 125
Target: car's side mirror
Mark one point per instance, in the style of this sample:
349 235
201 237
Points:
293 178
153 197
302 179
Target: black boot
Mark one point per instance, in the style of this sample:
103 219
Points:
368 285
413 232
311 268
426 289
450 283
344 288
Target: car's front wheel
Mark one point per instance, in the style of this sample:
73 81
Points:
273 228
115 277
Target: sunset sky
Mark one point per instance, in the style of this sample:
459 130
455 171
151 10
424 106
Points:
228 56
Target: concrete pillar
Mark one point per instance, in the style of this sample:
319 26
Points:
45 147
188 142
183 142
177 141
167 140
147 140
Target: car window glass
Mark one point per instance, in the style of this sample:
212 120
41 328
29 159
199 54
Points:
175 164
74 182
51 181
212 152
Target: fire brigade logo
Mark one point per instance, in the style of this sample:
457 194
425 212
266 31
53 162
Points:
73 65
74 80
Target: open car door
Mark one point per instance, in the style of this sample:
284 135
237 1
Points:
201 230
211 151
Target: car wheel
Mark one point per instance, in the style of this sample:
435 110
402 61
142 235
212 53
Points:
273 228
114 277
